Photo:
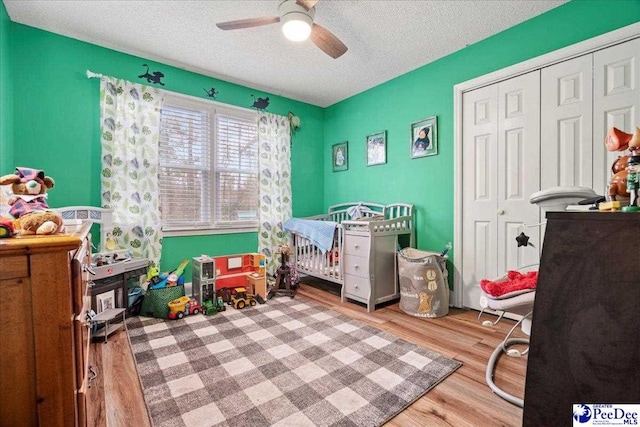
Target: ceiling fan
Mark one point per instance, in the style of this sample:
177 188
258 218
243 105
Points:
297 18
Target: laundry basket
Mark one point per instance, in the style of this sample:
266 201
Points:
424 288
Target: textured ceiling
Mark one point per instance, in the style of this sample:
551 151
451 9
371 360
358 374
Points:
386 38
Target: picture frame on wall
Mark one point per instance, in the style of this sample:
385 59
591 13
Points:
424 137
105 301
340 156
377 148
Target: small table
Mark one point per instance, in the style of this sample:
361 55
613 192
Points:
105 317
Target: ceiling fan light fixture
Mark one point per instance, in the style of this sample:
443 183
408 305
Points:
296 26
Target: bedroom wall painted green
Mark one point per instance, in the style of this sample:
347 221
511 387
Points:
56 127
54 124
428 91
6 93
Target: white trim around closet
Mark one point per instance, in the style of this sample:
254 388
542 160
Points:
582 48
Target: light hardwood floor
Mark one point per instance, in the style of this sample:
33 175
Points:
462 399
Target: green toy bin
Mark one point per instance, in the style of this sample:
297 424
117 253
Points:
156 300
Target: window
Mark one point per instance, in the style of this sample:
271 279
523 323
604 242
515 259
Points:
208 167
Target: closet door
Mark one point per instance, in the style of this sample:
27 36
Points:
501 168
566 123
518 170
480 194
616 101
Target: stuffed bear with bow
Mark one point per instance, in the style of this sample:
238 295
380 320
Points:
29 202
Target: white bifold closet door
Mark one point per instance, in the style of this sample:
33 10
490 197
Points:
616 101
501 169
566 124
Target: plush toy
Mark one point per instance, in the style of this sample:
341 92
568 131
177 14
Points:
28 203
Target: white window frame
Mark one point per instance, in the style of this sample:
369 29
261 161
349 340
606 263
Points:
214 108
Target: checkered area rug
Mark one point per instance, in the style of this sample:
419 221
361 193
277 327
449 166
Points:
289 362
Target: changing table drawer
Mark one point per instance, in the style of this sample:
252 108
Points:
357 266
356 287
356 245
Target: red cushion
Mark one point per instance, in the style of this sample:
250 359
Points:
515 281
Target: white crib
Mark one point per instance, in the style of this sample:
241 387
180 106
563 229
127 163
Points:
363 256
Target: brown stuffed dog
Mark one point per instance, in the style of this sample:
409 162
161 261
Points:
28 203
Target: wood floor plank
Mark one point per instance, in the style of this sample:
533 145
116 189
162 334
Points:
124 399
462 400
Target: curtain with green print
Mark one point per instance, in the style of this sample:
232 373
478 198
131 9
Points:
130 128
275 185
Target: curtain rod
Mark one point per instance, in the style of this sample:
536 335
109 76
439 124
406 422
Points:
92 75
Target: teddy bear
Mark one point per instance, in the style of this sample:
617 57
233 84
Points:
28 203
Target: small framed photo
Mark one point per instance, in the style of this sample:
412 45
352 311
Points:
340 156
105 300
424 137
377 148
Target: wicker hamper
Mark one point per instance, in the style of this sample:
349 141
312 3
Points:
424 288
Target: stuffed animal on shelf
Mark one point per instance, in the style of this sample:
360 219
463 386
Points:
28 203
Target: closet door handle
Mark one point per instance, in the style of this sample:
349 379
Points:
501 212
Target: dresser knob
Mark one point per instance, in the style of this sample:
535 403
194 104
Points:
356 246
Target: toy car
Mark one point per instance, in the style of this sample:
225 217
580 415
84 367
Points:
241 299
6 227
213 306
183 306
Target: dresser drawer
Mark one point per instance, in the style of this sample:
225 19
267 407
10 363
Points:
356 287
14 267
356 245
356 265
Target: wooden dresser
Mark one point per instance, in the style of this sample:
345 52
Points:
44 337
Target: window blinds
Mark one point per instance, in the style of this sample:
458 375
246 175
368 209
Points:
208 166
236 169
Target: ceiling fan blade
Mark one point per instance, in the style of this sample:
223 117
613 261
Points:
326 41
248 23
307 4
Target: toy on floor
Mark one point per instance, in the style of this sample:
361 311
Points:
284 284
183 306
29 202
225 294
214 306
241 299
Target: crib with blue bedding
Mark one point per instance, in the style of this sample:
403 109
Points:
358 224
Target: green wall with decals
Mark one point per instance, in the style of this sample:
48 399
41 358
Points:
56 127
50 119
